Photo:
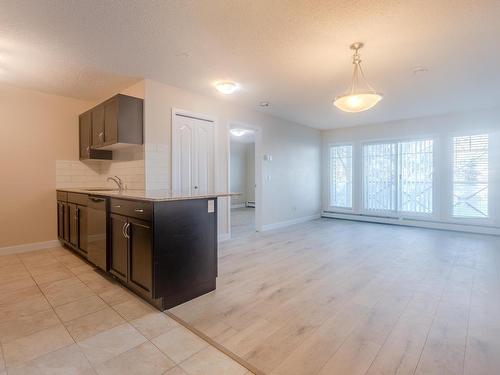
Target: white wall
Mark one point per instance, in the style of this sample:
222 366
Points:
292 181
238 173
441 129
250 171
242 172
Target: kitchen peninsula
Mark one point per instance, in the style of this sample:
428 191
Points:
160 245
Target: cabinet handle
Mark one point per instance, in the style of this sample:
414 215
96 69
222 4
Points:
123 230
117 206
140 210
127 230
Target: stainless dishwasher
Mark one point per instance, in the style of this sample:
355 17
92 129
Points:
97 249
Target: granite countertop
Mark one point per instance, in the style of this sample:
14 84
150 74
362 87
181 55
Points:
145 195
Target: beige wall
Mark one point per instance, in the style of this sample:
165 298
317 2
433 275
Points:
36 129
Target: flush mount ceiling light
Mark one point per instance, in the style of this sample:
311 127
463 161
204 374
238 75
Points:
226 87
239 132
359 98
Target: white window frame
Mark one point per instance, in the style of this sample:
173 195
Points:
353 177
435 183
450 177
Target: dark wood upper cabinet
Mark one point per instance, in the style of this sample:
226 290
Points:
97 126
115 123
85 132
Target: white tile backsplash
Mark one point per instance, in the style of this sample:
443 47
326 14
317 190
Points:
128 164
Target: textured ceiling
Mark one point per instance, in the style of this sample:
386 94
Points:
293 54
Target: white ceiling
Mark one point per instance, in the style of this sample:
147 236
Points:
294 54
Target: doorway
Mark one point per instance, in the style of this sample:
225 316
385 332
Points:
243 166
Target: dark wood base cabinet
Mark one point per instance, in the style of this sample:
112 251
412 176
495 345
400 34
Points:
72 221
164 251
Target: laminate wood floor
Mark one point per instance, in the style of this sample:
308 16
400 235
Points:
341 297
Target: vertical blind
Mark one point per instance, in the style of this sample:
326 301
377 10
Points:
398 176
341 176
470 176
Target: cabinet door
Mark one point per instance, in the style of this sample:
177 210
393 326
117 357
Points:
73 224
60 220
119 247
85 135
140 254
98 126
82 228
111 121
66 220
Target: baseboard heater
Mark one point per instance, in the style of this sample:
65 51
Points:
415 222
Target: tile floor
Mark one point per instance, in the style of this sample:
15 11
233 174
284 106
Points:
59 316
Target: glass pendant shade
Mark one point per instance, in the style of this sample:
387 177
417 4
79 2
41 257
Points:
358 99
357 102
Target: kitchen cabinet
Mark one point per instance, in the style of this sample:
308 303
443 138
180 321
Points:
118 265
163 249
85 135
117 122
131 252
72 221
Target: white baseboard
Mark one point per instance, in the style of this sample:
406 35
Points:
29 247
416 223
283 224
238 205
224 237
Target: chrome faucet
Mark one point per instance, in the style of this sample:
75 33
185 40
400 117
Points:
117 180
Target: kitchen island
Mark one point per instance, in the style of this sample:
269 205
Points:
160 245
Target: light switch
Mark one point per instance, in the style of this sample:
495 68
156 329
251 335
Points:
211 206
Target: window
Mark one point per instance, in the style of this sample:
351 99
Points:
417 168
380 168
470 176
398 177
341 176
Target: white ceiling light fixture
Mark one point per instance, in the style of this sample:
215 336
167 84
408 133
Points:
239 132
359 98
226 87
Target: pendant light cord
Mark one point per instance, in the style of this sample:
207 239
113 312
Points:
356 60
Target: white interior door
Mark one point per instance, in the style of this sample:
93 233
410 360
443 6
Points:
192 155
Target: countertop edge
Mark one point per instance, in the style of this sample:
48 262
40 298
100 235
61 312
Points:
124 195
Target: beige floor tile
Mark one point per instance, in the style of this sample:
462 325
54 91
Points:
12 273
94 323
68 360
179 343
16 285
65 291
96 282
176 371
110 343
70 260
9 260
28 306
210 361
50 273
143 359
134 309
57 251
78 308
27 348
85 267
116 295
154 324
22 326
15 296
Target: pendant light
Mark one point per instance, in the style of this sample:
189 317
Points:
358 99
